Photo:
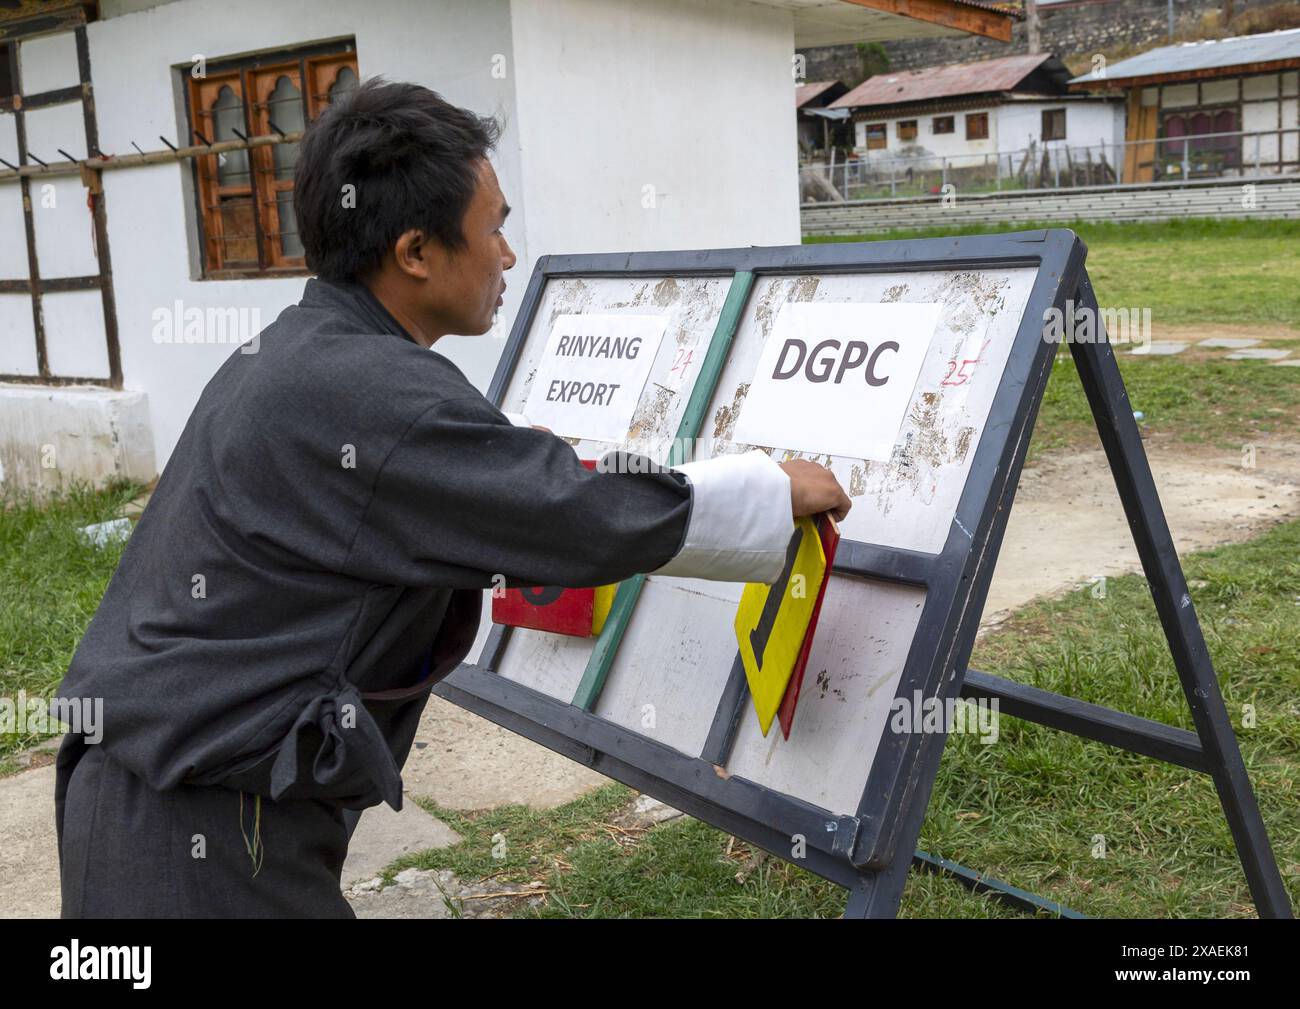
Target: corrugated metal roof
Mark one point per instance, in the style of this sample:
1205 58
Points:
805 93
1192 56
887 88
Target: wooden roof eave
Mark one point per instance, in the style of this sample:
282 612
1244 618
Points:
992 24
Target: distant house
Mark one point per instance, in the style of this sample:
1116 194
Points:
820 127
970 109
1225 106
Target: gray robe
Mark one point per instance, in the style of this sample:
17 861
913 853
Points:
311 563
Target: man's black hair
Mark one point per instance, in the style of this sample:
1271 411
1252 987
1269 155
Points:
412 160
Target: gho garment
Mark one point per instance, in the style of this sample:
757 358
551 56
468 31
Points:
312 561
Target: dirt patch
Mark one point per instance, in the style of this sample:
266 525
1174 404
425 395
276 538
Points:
1067 525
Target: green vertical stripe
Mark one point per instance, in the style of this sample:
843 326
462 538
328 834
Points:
620 614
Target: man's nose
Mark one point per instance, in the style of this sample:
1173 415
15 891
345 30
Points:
507 260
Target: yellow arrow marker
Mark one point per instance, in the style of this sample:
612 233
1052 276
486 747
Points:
773 619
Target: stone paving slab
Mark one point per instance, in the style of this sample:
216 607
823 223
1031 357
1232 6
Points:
383 836
1258 354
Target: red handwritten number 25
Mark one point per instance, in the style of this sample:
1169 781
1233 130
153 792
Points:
963 374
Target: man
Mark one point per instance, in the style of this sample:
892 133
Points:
313 558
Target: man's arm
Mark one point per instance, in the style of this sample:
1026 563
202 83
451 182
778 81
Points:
467 495
738 512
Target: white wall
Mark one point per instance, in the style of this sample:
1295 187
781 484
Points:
1087 124
690 97
447 45
927 142
1012 125
657 125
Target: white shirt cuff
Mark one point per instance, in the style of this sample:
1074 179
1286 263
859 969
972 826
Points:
517 419
741 520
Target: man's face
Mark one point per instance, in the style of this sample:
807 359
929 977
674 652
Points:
470 290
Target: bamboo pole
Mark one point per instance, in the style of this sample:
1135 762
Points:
146 158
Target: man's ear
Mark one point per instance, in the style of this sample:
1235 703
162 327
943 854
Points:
411 253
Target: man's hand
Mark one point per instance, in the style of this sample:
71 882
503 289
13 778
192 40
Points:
539 427
814 489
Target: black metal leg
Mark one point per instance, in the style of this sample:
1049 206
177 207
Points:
1104 387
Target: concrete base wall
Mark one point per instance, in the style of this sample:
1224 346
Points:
51 438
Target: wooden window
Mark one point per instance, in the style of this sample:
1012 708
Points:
1053 124
942 124
246 197
876 139
977 126
1183 132
907 129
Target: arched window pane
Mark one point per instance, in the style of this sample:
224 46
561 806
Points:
285 109
228 116
345 81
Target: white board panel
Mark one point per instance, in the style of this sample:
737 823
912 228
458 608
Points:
552 664
672 667
674 660
17 335
65 241
692 306
910 501
49 63
74 334
863 636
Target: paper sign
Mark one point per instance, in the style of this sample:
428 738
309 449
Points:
837 378
591 374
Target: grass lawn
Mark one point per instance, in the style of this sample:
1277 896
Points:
1030 809
51 583
1187 271
1210 402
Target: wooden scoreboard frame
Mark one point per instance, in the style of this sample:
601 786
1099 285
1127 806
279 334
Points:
870 852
